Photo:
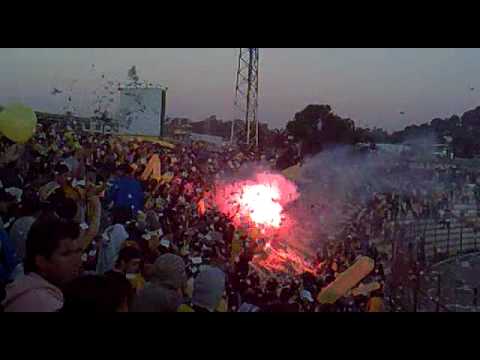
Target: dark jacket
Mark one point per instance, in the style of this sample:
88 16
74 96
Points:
8 258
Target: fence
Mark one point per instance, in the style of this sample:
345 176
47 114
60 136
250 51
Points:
427 243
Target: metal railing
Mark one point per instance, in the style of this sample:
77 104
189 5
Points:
428 289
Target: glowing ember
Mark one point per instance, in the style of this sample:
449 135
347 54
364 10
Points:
284 260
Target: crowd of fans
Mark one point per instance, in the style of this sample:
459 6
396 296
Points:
83 230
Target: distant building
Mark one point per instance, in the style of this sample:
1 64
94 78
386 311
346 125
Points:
393 148
101 126
442 151
210 139
385 148
178 127
93 125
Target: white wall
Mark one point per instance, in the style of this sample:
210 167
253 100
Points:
140 111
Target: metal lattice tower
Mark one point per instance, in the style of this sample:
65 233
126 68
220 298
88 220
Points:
246 96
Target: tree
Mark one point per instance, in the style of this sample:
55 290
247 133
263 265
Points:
379 136
317 126
471 119
305 124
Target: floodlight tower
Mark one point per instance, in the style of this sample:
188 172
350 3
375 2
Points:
246 96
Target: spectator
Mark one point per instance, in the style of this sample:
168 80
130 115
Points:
30 211
208 289
167 283
129 264
3 294
129 261
10 176
156 299
97 294
112 240
8 259
126 192
53 258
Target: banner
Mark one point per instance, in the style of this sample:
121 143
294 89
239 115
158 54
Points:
346 280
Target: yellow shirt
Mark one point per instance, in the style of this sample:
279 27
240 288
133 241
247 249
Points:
222 307
185 308
138 282
236 247
73 193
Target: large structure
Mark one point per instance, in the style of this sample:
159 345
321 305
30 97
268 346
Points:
142 110
246 96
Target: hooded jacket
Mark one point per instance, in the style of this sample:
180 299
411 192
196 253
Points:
208 288
19 233
169 272
32 293
113 238
157 299
162 293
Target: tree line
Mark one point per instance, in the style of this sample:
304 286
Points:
317 126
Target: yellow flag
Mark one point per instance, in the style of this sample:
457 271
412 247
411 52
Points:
153 169
346 280
167 178
292 173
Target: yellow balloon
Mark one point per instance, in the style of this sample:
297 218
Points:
18 123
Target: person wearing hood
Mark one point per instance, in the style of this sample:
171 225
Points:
52 259
164 293
112 240
97 294
208 289
30 211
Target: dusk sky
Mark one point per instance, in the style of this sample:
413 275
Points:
371 86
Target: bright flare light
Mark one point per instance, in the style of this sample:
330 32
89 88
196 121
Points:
260 202
257 204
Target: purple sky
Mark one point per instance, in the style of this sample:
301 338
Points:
372 86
